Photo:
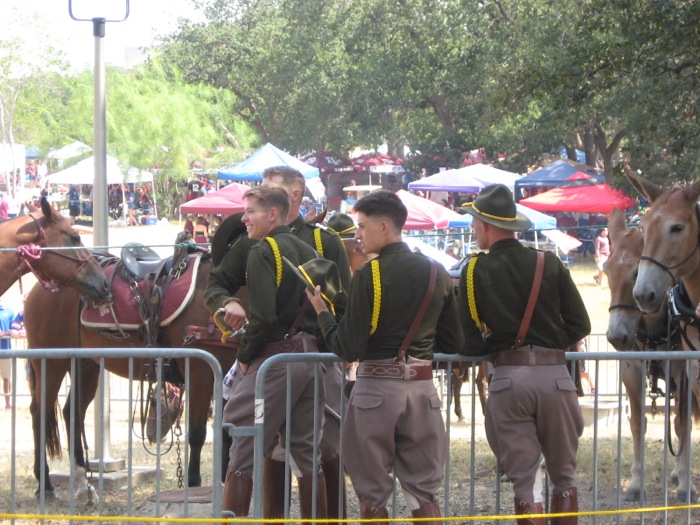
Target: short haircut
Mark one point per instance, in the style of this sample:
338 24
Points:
271 196
290 177
385 204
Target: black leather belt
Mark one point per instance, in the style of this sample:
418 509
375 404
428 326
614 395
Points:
528 356
395 371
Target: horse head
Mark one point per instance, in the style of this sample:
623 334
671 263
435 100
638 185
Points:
671 241
628 328
51 248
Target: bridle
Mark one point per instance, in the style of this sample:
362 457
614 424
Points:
668 269
32 253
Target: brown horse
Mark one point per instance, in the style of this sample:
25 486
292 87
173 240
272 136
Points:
52 321
34 243
671 254
631 329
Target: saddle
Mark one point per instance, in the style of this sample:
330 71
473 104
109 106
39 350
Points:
148 292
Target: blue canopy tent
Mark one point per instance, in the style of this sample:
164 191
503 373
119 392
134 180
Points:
266 157
556 174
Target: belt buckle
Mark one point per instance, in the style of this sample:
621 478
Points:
407 372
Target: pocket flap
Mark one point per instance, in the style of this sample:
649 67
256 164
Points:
361 400
566 384
502 383
434 402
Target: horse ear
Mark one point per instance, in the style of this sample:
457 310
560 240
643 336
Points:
692 191
617 225
646 189
46 209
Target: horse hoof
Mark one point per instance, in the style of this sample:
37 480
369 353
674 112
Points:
49 495
682 496
633 495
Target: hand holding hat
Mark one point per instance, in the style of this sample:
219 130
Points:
319 272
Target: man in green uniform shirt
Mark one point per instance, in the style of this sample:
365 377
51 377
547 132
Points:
532 407
393 420
228 278
275 313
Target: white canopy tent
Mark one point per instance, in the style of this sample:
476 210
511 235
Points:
84 173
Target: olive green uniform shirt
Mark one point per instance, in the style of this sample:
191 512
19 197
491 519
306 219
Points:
404 279
502 283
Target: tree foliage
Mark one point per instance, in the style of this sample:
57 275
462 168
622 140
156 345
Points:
615 78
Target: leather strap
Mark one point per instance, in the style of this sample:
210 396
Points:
401 356
532 300
298 319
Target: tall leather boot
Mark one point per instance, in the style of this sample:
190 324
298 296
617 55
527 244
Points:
306 493
566 501
368 512
335 483
523 507
427 510
238 491
274 483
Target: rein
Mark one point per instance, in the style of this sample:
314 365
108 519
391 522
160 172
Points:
31 254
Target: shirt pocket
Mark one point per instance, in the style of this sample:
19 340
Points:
366 401
499 384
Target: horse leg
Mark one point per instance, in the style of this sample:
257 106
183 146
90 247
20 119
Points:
201 387
633 375
682 474
482 382
457 381
86 382
54 377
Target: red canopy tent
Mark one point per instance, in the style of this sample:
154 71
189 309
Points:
226 201
424 214
597 198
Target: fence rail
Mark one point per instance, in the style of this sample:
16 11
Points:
472 489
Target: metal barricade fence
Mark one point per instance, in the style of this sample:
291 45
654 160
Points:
473 487
124 498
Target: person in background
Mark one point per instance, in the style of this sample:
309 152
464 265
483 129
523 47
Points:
200 231
401 309
131 207
532 407
10 324
602 252
189 225
73 203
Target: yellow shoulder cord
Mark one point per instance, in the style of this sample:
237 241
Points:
317 241
278 258
377 302
471 298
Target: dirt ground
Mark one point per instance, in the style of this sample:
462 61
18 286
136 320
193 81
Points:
475 489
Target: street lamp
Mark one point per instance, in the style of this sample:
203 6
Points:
99 12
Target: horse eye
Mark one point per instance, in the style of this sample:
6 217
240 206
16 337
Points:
676 228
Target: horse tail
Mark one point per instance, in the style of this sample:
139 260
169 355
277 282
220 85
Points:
53 436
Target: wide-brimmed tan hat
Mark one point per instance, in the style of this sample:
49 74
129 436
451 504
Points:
495 206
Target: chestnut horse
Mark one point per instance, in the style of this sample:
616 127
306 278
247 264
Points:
52 321
33 243
671 255
631 329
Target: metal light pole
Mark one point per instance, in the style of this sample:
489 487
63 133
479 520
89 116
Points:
99 217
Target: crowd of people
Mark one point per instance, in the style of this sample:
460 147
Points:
515 304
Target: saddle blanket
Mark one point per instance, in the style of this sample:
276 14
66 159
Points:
124 312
